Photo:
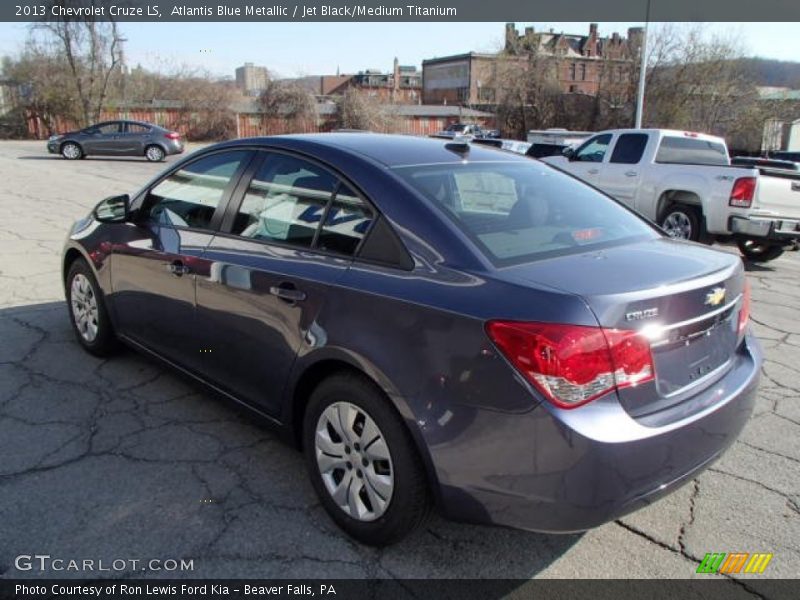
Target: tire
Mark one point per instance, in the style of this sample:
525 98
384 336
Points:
71 151
759 251
682 222
87 311
392 497
154 153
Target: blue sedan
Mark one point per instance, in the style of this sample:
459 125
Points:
433 323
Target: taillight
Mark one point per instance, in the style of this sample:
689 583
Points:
172 135
572 364
744 311
743 191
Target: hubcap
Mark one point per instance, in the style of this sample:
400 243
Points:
354 461
84 307
154 153
678 226
71 151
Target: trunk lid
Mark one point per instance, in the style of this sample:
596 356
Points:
685 297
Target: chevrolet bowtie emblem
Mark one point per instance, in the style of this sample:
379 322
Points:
715 297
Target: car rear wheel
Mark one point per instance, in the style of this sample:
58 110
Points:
154 153
87 311
71 151
756 251
362 461
681 222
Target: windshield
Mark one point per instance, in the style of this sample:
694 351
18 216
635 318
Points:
518 212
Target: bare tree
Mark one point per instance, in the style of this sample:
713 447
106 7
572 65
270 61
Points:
356 110
291 103
90 52
527 91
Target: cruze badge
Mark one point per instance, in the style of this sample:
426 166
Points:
715 296
637 315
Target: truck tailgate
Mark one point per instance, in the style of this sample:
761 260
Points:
778 194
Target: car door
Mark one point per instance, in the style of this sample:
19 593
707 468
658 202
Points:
278 256
586 161
132 139
155 268
621 177
103 139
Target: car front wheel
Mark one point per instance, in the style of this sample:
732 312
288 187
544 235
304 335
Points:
87 311
154 154
71 151
362 461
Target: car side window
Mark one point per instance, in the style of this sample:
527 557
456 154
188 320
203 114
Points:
593 150
346 222
136 128
108 128
189 196
285 201
629 148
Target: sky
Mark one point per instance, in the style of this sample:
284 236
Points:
296 49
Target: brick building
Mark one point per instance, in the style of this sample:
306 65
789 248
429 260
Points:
402 85
582 63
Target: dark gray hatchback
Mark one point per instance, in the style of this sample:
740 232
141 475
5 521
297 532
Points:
117 138
432 323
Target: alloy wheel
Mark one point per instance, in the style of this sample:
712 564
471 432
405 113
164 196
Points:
678 226
154 154
354 461
84 307
71 151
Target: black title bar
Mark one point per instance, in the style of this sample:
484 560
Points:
403 10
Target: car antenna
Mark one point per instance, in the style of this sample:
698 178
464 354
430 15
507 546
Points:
459 145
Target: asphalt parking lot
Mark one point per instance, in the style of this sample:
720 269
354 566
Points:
121 459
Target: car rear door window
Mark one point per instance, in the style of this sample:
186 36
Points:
345 224
191 195
136 128
293 201
629 148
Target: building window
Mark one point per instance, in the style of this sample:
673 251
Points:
572 71
573 89
486 94
583 71
463 94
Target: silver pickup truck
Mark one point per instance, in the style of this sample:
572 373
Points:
684 181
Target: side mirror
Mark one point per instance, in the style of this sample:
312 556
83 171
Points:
568 152
115 209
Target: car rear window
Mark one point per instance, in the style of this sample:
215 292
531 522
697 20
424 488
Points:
691 151
519 212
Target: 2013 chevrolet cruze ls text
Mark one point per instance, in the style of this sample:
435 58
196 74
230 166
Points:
432 323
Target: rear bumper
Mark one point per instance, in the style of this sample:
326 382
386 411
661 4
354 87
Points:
173 147
560 471
765 228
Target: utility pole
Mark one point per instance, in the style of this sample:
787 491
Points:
642 71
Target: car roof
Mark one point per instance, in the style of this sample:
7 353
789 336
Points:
387 149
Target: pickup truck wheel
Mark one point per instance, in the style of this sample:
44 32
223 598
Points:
681 222
759 251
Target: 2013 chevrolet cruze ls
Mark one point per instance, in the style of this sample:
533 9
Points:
432 323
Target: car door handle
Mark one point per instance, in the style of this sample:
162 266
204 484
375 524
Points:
287 292
178 269
631 173
593 171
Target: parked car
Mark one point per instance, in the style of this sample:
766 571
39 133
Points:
684 181
431 322
117 138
